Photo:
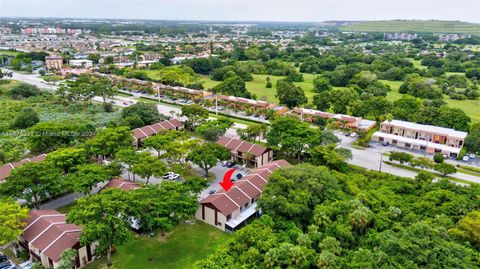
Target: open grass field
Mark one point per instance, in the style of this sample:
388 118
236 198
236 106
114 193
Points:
258 86
418 64
186 244
471 107
9 52
432 26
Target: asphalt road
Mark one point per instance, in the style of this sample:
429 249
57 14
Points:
370 158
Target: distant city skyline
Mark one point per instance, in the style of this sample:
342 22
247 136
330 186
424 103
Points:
247 10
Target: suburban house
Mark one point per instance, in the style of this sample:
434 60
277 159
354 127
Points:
139 134
53 62
122 184
354 123
47 235
6 169
429 138
230 210
245 152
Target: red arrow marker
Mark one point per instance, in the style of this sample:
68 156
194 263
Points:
227 183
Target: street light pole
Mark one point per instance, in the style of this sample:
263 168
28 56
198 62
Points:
381 162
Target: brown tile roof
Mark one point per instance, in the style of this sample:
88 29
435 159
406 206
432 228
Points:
149 130
237 145
122 184
138 133
66 241
247 188
48 232
6 169
51 234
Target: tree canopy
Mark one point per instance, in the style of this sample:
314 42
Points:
313 217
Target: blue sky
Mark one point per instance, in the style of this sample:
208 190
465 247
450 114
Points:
247 10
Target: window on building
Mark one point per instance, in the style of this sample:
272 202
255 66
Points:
229 217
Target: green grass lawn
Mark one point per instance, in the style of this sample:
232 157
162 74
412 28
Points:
258 87
471 107
185 245
9 52
418 64
414 25
259 82
153 74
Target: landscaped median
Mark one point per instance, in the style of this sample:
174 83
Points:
220 114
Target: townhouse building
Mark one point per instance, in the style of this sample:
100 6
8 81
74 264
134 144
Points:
47 235
244 152
344 121
429 138
232 209
139 134
6 169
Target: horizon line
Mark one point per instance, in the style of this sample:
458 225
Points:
229 21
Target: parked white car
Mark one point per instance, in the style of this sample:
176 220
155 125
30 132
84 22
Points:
465 158
171 176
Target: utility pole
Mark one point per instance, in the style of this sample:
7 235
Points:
381 162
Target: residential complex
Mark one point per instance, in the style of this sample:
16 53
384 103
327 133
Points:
122 184
432 139
6 169
47 235
139 134
54 62
230 210
343 121
245 152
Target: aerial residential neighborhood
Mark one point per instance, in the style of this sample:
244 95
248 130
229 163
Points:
239 134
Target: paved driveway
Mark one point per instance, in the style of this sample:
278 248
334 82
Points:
218 171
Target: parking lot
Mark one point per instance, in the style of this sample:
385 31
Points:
6 263
218 171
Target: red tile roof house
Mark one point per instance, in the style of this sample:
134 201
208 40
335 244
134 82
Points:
355 123
139 134
46 235
6 169
245 152
125 185
231 210
122 184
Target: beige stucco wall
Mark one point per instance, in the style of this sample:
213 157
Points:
210 217
450 141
